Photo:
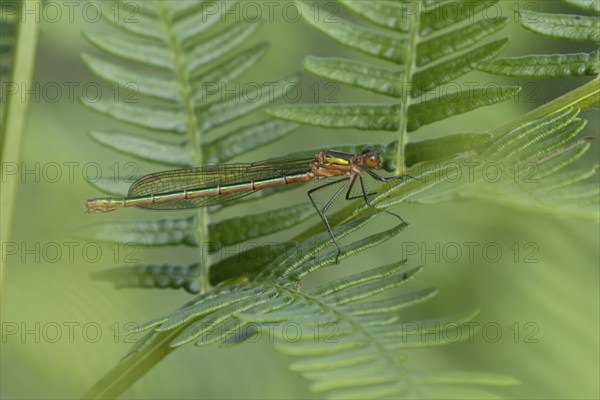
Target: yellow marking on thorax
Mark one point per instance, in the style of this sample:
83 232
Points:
337 161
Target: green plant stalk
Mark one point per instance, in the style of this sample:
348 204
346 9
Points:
15 110
194 136
133 367
410 66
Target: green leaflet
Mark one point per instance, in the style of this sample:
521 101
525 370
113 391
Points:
145 147
546 66
456 40
348 250
367 289
356 73
513 140
241 229
205 324
248 262
143 52
221 150
310 251
288 312
560 26
442 147
167 119
217 46
429 111
392 304
374 274
162 232
448 70
544 150
308 348
133 82
222 111
245 139
442 14
204 306
194 24
356 116
173 276
564 26
561 158
388 14
374 42
131 17
210 81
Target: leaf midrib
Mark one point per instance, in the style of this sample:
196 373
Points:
410 65
192 127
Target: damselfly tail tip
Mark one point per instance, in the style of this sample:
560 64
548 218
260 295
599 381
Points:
99 205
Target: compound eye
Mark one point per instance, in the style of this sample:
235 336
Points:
372 160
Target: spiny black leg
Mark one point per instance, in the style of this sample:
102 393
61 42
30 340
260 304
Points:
389 178
350 188
368 201
323 214
349 197
378 178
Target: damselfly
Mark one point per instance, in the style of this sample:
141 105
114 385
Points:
217 184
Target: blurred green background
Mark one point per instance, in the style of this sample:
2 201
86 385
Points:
58 327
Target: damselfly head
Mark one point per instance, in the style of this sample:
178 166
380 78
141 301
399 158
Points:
371 158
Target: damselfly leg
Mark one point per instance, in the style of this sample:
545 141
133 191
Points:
349 183
323 211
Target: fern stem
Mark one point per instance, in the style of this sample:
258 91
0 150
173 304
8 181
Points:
132 367
15 110
410 65
195 140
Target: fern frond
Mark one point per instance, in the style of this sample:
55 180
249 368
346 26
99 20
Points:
409 42
576 28
522 167
193 66
343 344
180 64
427 52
